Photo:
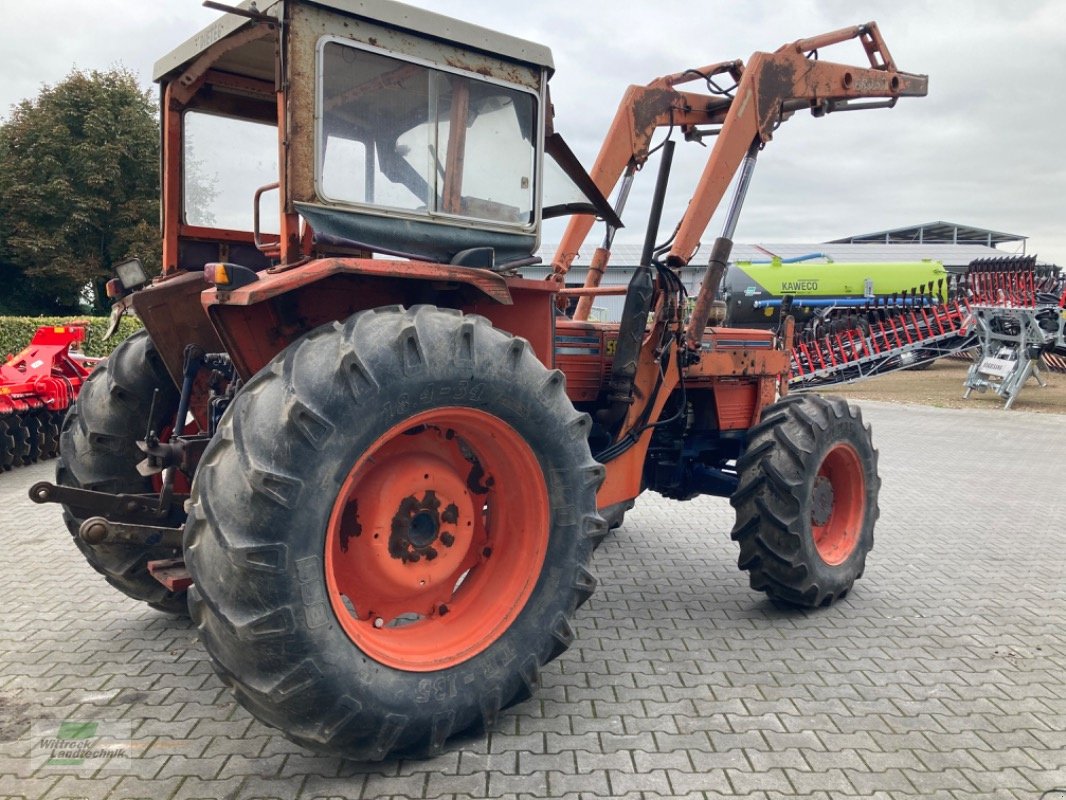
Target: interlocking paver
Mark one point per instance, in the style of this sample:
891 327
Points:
623 782
771 759
89 788
535 784
256 788
133 786
710 780
438 784
193 788
942 675
621 760
26 787
472 762
832 781
563 783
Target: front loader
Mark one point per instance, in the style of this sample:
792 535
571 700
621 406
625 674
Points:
371 457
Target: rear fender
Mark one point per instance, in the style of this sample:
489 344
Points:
171 310
257 321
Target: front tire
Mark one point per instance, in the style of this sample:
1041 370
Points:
806 502
391 530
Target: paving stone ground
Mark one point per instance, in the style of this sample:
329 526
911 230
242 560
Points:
942 675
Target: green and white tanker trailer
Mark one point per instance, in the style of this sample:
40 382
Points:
753 290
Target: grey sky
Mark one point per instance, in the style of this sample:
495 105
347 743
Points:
985 148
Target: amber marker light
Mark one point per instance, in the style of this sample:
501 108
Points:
217 274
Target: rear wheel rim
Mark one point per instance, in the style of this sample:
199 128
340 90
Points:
437 538
838 504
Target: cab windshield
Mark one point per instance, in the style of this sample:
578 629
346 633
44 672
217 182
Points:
403 136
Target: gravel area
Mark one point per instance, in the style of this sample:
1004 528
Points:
942 386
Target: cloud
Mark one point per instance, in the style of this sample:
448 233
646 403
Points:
983 148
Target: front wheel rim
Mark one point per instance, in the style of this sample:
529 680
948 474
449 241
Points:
437 538
838 504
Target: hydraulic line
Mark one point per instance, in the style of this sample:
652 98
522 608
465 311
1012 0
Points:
603 253
634 320
720 252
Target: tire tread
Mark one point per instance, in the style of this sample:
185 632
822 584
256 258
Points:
776 472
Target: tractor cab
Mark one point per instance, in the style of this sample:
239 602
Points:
295 130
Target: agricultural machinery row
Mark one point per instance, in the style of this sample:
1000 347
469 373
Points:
1005 313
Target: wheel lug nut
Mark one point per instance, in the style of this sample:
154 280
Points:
430 554
447 539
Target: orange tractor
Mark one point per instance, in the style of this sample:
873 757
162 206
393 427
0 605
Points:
370 457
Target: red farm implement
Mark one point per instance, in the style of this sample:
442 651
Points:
37 386
994 300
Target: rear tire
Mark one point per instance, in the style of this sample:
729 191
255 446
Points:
98 451
806 503
615 517
325 589
616 514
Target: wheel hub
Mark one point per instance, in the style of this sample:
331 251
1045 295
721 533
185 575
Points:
420 529
423 528
415 528
821 501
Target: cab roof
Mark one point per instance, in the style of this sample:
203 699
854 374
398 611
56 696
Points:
386 12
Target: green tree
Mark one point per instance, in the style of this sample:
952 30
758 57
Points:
79 187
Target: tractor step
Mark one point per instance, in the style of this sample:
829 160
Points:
172 573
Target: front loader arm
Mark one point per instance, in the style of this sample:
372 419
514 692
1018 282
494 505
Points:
743 118
773 87
768 91
626 147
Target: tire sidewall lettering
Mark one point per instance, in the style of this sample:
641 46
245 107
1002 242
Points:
465 393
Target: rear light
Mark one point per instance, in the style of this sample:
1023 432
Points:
114 289
228 276
217 275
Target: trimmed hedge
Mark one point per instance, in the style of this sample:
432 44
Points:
16 332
